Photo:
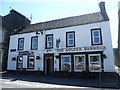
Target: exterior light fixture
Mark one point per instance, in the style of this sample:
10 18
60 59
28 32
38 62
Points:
37 57
13 59
37 32
41 32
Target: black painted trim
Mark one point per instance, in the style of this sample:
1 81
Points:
46 41
18 43
67 38
32 42
100 36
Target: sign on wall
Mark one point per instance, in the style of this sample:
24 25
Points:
81 48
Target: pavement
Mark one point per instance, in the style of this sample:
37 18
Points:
108 81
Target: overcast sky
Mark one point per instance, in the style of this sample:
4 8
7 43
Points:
45 10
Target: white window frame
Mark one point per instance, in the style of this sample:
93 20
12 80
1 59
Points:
20 62
96 62
31 61
65 63
19 46
68 39
79 63
50 41
33 43
96 36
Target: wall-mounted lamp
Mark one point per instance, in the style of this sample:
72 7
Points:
41 32
37 32
14 59
37 57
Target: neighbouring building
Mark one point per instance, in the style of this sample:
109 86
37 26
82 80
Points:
11 23
1 40
72 44
119 34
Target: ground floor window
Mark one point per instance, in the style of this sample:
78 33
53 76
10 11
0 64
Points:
31 62
66 63
94 62
20 62
0 57
79 62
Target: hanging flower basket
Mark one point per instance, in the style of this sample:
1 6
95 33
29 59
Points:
104 56
57 56
37 57
13 59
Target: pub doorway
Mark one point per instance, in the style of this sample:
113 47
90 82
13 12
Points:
49 63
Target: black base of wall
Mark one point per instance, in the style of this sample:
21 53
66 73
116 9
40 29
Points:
66 74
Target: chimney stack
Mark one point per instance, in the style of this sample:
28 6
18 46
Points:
103 11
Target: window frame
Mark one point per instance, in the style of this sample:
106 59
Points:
66 62
100 63
29 62
79 62
67 39
19 43
32 43
18 62
49 35
100 36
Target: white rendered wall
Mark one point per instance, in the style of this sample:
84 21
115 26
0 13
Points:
82 39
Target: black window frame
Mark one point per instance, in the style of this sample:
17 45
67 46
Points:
19 43
92 42
47 42
28 62
32 43
67 39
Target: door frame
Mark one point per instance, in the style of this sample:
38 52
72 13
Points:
45 62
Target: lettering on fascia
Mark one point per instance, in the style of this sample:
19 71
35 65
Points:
81 48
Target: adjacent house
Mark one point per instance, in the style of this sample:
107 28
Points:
72 44
119 34
11 23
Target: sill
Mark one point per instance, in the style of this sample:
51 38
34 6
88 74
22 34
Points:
48 47
70 46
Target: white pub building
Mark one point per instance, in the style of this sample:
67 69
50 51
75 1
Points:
72 44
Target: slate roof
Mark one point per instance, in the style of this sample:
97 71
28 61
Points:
64 22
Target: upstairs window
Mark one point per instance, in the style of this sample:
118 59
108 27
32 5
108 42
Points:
20 43
49 41
70 39
96 36
34 43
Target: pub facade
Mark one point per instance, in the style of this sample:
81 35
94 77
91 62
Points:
72 44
